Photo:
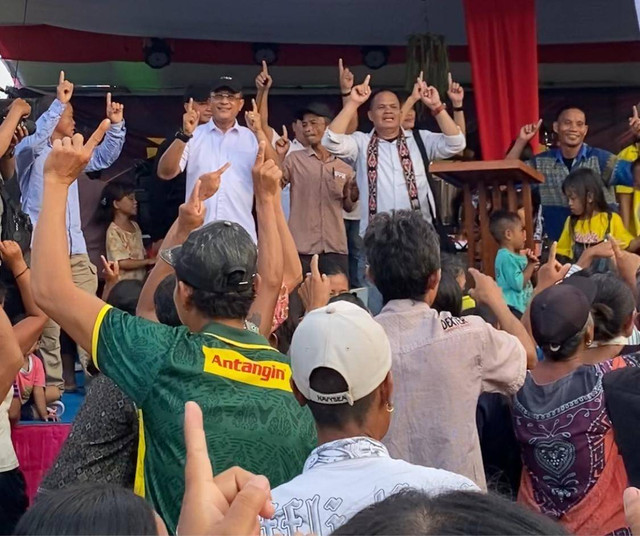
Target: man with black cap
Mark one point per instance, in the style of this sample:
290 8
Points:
321 187
241 383
167 196
219 146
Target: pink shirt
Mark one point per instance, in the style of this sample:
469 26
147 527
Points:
28 379
441 365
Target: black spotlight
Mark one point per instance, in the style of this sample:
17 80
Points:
375 57
157 53
265 52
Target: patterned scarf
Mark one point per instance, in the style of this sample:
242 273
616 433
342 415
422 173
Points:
407 171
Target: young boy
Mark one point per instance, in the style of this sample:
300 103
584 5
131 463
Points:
513 270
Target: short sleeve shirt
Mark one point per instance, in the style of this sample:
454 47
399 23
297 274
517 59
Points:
251 418
510 278
592 232
123 245
30 378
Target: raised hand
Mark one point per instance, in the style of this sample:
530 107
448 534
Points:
190 119
418 88
346 78
486 290
551 272
64 89
22 107
191 212
264 80
430 97
266 175
634 122
69 156
115 111
283 144
455 92
315 290
528 131
228 503
361 93
210 182
12 256
111 271
253 119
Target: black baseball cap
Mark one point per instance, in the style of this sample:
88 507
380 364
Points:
316 108
217 257
197 92
227 82
561 311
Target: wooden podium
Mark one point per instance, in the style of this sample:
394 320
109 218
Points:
490 178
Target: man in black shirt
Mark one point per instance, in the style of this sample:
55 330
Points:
166 196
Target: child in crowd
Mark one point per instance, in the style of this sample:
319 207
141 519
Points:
124 237
30 404
591 219
513 269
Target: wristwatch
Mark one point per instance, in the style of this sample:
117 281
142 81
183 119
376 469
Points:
458 109
183 136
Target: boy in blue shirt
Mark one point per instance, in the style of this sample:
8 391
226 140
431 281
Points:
513 270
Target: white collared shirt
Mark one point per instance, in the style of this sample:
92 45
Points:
342 477
392 187
209 150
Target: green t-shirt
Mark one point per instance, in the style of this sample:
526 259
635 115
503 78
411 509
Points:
510 269
251 418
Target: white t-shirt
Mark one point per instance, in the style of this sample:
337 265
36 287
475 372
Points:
8 459
342 477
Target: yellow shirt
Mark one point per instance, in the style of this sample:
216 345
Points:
631 153
592 231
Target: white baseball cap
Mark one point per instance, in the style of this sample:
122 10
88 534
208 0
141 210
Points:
345 338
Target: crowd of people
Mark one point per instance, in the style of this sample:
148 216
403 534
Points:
300 356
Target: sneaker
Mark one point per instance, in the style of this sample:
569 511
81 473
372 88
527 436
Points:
57 408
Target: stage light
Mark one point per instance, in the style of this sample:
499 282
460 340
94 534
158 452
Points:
265 52
375 57
157 53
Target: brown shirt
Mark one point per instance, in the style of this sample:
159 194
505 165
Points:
317 195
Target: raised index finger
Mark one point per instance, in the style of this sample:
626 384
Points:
190 105
552 253
109 99
224 168
61 78
340 65
635 112
285 134
315 271
97 135
367 80
450 80
198 466
265 69
260 155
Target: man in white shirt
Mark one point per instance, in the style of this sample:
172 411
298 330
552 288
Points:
390 171
441 364
341 369
219 146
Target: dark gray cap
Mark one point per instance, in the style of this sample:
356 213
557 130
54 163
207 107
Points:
218 257
197 92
